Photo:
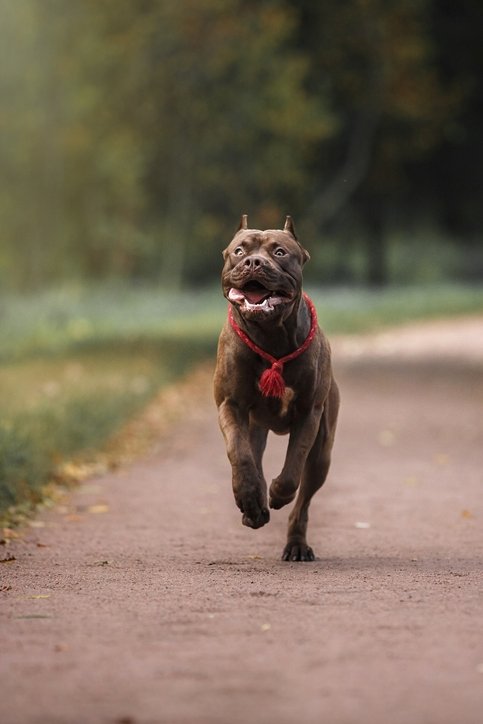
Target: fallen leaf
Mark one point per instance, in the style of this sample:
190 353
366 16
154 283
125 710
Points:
441 459
33 615
9 534
5 588
467 514
255 557
411 481
8 559
73 472
73 518
42 545
40 595
101 508
265 627
386 438
362 525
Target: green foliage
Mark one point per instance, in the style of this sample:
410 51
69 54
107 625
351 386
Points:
76 363
352 310
22 466
65 391
32 444
153 121
73 318
134 134
118 323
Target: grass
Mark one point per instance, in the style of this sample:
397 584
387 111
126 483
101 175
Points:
75 363
74 319
57 407
78 318
348 311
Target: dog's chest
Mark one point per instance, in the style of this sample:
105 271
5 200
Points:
276 413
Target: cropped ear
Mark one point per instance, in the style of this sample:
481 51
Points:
289 226
243 222
305 254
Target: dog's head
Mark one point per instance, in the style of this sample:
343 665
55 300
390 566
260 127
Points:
262 274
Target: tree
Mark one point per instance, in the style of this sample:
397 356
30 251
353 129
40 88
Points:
163 120
376 61
135 132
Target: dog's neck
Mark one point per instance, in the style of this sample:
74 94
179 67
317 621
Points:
282 335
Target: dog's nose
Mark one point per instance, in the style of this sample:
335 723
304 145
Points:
253 262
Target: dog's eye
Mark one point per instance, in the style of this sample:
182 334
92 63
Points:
280 252
238 251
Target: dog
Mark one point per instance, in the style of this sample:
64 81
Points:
273 372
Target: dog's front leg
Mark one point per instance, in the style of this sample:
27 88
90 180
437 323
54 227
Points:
249 486
302 436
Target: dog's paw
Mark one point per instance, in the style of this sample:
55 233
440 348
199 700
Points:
255 517
276 502
281 493
298 552
253 505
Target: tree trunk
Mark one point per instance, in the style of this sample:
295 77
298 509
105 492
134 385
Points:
376 251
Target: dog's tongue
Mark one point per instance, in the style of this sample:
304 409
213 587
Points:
254 297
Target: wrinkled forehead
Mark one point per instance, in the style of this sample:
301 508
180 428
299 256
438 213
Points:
254 239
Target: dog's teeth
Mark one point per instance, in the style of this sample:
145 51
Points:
263 305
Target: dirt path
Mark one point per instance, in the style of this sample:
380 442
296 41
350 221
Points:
142 600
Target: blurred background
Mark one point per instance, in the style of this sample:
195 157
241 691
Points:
133 134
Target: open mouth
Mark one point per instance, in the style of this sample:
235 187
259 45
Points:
255 296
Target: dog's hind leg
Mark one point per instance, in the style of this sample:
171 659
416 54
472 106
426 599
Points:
314 476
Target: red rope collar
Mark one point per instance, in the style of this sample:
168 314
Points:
271 382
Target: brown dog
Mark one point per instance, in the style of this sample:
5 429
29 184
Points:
274 372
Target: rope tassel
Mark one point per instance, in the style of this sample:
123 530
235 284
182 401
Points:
271 383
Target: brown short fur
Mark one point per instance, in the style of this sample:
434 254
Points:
259 262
